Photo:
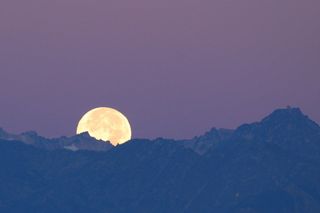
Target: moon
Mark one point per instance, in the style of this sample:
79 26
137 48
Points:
106 124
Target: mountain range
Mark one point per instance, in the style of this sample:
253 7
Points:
75 143
268 166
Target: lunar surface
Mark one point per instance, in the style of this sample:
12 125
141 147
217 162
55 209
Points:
106 124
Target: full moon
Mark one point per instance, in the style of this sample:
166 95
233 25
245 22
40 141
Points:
106 124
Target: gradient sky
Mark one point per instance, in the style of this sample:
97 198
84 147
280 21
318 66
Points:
176 68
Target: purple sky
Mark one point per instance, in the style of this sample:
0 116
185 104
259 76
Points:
175 68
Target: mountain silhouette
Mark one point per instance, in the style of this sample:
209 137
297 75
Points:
268 166
288 128
82 141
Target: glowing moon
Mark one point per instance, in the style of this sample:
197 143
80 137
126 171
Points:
106 124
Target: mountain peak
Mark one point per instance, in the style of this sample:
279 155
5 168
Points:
289 117
85 135
3 133
30 133
286 112
287 128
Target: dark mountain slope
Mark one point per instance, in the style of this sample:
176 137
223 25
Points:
259 177
135 175
288 128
